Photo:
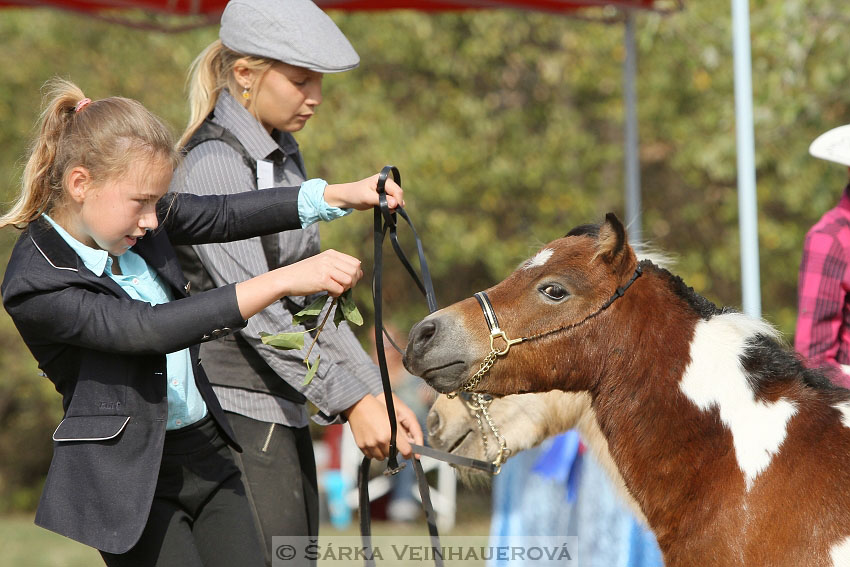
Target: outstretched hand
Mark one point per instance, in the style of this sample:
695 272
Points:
363 194
330 271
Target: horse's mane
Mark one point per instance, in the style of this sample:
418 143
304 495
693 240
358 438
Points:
585 230
705 308
643 250
767 360
698 303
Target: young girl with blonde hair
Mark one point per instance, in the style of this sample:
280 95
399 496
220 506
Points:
141 468
249 92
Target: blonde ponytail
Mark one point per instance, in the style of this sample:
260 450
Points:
210 72
105 137
39 187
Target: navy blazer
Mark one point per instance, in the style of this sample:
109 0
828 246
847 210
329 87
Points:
105 353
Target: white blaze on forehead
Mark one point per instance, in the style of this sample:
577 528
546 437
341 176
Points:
715 379
840 553
539 259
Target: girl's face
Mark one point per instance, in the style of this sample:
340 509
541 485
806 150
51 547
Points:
286 97
112 215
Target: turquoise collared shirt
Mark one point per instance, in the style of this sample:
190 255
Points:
185 404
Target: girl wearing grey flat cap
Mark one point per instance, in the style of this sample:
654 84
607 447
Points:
249 91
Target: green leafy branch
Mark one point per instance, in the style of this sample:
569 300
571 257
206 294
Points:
345 310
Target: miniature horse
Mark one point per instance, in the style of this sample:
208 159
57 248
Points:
737 454
524 421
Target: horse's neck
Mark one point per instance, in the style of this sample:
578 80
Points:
651 451
588 427
668 451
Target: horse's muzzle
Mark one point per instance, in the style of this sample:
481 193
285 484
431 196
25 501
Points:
436 351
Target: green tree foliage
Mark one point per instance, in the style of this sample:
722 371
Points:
508 131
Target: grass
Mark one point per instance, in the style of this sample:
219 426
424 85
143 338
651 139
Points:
23 544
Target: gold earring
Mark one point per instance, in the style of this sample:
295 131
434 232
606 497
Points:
245 93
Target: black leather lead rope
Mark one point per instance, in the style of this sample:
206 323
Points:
365 511
384 222
385 219
453 459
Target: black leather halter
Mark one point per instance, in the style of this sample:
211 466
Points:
497 333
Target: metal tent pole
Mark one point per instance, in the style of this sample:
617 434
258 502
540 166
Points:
632 158
747 207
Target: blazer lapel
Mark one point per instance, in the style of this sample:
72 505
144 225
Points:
62 257
154 248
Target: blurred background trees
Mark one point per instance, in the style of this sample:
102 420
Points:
507 128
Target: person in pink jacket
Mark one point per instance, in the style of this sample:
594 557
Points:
823 311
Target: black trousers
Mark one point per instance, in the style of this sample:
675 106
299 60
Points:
200 515
279 473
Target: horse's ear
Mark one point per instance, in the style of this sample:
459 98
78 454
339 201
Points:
611 243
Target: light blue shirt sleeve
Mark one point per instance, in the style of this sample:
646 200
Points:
312 206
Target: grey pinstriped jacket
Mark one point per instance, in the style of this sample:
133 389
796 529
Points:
346 373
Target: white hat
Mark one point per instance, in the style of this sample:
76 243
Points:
293 31
833 145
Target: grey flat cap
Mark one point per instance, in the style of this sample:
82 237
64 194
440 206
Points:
293 31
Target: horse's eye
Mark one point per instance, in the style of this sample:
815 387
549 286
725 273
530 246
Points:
553 291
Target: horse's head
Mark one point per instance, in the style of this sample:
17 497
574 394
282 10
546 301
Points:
559 297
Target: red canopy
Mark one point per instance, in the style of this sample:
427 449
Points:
206 11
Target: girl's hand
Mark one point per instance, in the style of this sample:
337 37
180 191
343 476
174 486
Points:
363 194
330 271
371 427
